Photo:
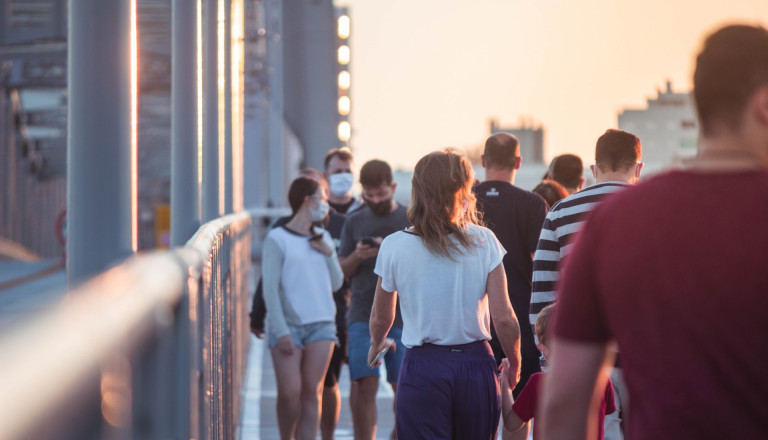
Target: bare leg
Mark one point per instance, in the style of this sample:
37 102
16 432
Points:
288 377
363 403
331 409
317 355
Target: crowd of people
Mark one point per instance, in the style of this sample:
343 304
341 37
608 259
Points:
622 309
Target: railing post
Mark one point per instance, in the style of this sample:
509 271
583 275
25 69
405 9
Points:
101 162
185 188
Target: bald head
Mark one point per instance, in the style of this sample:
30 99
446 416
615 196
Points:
502 151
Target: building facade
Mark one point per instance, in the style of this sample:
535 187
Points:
667 128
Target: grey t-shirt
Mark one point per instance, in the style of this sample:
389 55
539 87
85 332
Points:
363 223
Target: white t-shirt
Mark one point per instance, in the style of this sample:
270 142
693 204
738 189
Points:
442 301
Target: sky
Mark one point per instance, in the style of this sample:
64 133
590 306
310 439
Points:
428 74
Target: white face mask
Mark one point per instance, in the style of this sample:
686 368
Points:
341 183
320 212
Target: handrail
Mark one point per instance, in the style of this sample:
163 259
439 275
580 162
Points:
153 348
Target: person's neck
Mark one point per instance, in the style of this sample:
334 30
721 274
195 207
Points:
730 152
340 200
502 175
301 223
616 177
393 207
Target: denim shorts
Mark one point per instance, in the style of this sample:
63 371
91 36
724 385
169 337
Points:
359 336
304 334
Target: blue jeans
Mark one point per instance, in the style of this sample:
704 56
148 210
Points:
360 345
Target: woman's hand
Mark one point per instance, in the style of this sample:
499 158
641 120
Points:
285 345
387 343
510 376
322 246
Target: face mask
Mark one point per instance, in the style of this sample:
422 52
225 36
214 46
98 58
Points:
320 212
341 183
382 208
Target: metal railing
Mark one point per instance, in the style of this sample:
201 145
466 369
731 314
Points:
154 348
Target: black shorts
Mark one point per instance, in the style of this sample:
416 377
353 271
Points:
339 355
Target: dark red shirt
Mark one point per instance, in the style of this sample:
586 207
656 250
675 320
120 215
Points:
676 270
525 404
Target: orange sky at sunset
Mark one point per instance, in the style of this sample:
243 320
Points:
429 73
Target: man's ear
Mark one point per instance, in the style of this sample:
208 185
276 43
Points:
592 168
638 169
518 162
394 187
761 105
482 159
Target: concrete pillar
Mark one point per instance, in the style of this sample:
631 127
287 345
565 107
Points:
185 188
101 162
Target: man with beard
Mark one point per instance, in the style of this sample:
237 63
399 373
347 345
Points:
363 232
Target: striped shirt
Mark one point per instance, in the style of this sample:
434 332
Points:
563 221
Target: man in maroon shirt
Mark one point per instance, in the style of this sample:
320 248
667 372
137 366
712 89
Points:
675 271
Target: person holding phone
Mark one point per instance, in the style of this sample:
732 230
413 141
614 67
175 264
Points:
300 273
363 231
447 273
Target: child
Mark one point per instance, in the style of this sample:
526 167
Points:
516 413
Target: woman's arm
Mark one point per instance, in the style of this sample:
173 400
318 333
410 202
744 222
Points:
271 268
324 245
382 317
504 320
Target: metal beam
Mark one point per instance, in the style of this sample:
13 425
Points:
213 160
185 188
101 187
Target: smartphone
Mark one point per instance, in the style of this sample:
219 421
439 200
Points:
379 356
369 241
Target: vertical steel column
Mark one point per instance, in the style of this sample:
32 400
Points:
277 190
185 189
238 101
212 185
101 161
228 175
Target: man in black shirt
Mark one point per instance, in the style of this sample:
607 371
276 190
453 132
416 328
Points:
515 216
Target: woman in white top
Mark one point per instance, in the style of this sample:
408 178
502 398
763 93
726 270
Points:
300 273
447 272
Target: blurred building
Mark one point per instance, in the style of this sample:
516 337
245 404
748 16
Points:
530 136
667 128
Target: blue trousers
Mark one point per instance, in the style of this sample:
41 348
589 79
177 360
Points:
448 392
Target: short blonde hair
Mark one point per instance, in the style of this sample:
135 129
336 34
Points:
542 323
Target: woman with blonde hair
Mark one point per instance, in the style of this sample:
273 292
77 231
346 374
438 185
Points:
448 274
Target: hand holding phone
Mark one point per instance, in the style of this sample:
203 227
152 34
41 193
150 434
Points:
380 354
370 242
